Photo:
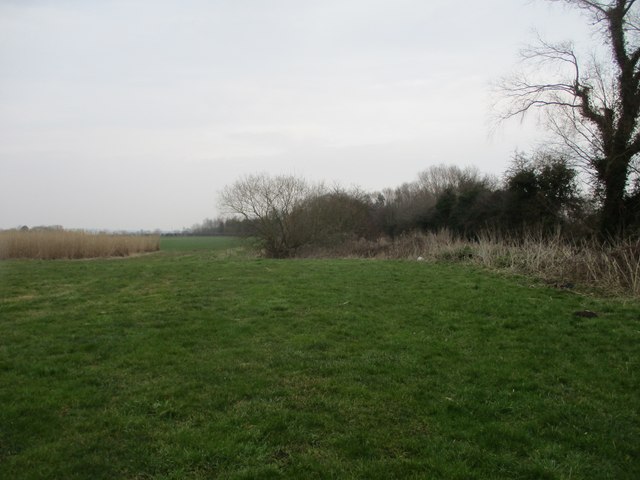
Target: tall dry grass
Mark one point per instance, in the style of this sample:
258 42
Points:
63 244
611 268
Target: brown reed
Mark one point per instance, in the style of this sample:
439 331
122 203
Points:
52 244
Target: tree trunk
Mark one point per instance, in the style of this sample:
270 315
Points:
613 211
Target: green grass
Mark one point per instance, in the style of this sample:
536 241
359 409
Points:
181 244
198 364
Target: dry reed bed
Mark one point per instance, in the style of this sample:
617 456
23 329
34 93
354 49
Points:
62 244
612 268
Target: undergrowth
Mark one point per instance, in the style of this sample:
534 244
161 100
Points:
612 268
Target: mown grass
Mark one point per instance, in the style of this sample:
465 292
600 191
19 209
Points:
204 365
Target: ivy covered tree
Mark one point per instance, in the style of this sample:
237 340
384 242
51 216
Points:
593 106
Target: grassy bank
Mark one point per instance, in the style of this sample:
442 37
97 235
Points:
608 268
63 244
201 365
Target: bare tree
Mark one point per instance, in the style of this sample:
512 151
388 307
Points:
270 203
439 178
593 105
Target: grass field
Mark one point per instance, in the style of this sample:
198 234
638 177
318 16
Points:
194 363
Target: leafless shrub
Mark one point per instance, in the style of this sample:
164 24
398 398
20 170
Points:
271 204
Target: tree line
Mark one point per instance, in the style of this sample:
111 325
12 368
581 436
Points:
539 192
220 226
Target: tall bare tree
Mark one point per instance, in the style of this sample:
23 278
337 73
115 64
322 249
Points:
593 105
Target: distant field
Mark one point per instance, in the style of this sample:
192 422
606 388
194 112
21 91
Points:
184 243
192 363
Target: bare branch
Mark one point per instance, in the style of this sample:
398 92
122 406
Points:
593 108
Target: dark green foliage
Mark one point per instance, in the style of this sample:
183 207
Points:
541 192
444 209
187 365
469 211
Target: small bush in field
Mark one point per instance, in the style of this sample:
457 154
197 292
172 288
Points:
62 244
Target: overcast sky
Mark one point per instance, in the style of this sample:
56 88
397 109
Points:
133 114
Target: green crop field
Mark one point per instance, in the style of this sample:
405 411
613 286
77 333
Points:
195 363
